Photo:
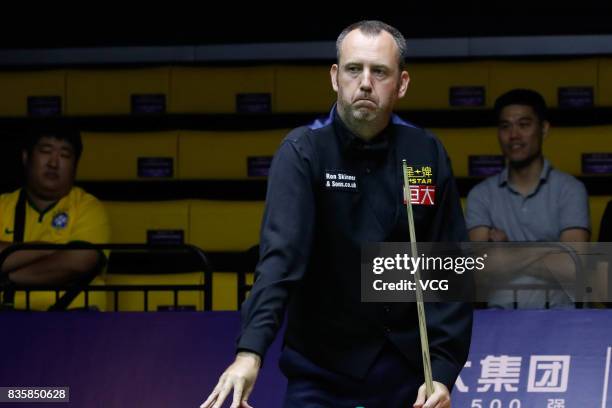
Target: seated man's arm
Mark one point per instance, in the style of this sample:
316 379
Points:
575 235
502 263
479 234
575 227
56 268
22 258
63 266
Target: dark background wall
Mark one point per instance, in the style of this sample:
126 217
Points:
203 25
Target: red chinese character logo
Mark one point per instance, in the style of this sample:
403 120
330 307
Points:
422 195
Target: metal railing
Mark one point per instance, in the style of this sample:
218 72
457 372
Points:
241 262
580 288
72 290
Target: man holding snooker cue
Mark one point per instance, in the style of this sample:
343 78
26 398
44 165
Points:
333 186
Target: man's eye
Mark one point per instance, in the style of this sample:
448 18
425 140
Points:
353 69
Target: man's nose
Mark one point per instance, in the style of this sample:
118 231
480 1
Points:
366 81
53 160
514 132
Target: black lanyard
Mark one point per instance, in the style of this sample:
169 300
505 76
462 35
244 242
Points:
20 215
8 298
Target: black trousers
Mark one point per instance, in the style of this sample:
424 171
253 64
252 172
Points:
390 383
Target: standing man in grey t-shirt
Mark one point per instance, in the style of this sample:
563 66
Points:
529 200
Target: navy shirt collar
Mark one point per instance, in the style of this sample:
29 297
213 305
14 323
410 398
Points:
352 143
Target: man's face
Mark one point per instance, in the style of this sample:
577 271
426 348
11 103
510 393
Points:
367 77
520 134
50 168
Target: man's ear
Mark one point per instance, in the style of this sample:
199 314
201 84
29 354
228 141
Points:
404 81
333 73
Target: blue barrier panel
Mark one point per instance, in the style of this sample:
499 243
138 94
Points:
518 359
537 359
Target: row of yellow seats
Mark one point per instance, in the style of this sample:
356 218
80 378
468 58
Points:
289 88
225 155
209 225
564 146
189 154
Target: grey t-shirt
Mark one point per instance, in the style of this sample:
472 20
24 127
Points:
558 202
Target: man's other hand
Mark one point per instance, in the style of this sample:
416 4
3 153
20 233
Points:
239 376
439 399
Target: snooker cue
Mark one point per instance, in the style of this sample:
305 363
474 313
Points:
419 293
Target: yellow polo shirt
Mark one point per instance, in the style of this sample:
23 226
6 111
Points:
78 216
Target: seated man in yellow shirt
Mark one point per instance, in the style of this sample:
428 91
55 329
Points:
49 209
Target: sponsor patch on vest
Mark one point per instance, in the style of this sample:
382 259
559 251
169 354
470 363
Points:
421 195
60 220
420 175
339 180
422 187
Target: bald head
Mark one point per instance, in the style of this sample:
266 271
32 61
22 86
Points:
374 28
368 80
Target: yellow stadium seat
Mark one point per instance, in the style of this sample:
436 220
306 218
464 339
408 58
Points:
544 77
215 90
225 291
17 87
116 156
430 84
109 92
41 301
605 82
130 221
564 146
462 143
225 226
304 89
133 301
250 278
224 155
